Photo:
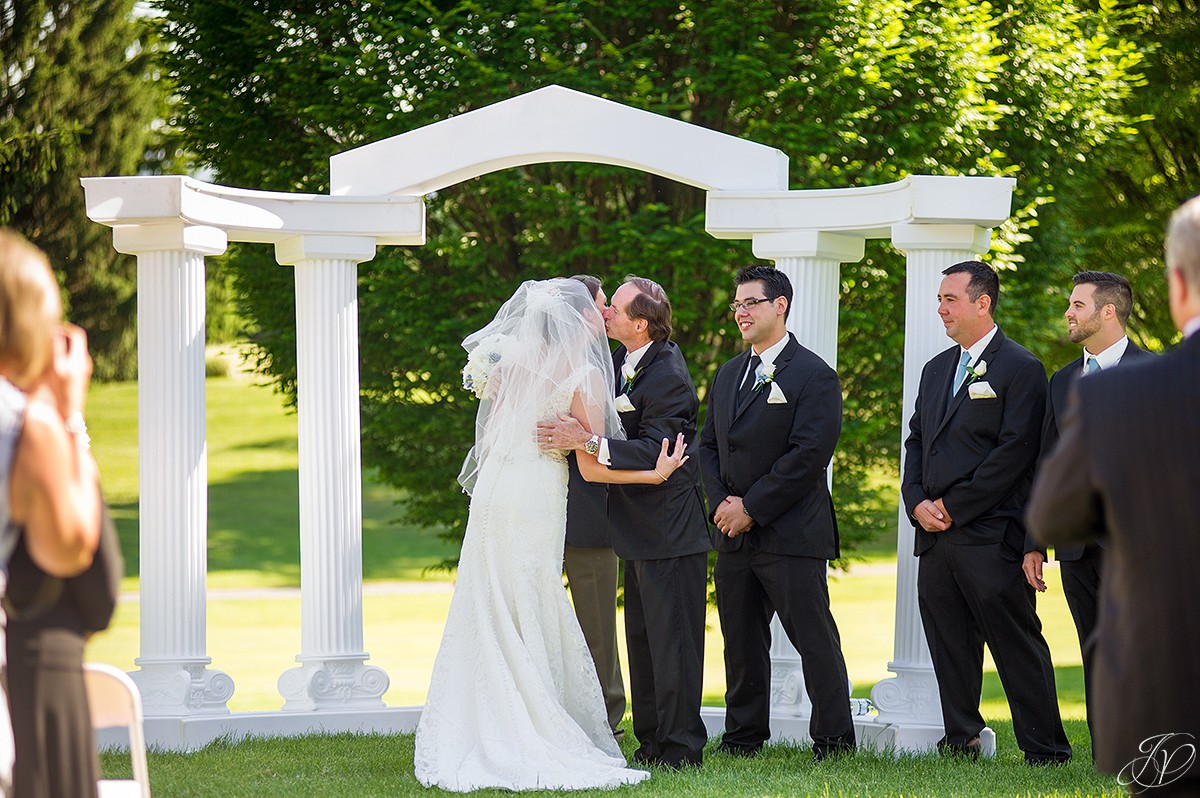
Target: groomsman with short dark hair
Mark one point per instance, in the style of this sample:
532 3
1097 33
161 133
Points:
1096 315
774 416
1127 471
968 468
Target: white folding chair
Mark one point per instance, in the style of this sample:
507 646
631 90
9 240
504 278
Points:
114 702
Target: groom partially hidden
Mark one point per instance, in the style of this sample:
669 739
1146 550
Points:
658 530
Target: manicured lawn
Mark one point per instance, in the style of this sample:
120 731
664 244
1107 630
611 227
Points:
254 635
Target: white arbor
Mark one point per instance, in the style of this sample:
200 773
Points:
172 223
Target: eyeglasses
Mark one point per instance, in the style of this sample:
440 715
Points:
749 303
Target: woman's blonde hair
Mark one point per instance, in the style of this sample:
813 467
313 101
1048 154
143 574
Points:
28 304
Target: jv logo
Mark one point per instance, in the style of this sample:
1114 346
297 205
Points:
1166 758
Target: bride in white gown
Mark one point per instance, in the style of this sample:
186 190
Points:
514 702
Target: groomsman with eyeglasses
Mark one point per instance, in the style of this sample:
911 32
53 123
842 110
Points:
774 417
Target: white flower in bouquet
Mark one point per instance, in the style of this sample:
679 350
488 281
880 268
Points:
480 362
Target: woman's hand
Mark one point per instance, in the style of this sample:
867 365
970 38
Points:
69 372
667 463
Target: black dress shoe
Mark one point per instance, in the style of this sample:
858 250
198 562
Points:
746 751
969 750
824 752
1040 760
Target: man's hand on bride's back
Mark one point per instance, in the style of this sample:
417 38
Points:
566 433
669 461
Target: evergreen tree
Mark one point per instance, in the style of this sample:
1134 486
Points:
78 96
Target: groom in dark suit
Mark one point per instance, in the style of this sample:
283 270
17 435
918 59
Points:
658 530
1127 470
1096 314
968 467
774 416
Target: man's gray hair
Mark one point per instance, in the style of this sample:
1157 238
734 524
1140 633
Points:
1183 241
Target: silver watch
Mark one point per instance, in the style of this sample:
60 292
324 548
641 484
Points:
593 445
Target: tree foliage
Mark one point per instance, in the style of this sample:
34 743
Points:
855 92
78 96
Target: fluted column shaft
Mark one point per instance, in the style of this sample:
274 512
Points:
911 696
332 674
173 469
812 261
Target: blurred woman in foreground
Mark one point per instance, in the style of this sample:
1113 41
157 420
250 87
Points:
50 514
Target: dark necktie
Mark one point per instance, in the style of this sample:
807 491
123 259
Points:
748 384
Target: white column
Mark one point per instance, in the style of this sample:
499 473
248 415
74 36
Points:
811 260
911 696
331 673
174 677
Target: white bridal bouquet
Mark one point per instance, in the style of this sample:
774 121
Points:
480 362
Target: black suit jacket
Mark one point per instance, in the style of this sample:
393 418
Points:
1056 408
653 522
977 455
1127 468
775 456
587 510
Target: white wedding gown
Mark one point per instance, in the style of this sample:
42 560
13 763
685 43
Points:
514 702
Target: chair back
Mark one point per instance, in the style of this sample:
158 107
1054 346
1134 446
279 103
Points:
114 702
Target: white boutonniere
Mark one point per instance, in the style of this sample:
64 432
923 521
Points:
981 390
623 404
629 376
977 371
776 396
480 362
767 376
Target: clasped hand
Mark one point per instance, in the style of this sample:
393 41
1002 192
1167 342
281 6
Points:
932 516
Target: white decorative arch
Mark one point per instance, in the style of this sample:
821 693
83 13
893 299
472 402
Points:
555 124
172 223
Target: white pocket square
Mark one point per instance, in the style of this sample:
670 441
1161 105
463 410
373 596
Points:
981 390
623 404
776 396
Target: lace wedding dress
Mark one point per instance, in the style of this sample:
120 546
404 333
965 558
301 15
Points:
514 702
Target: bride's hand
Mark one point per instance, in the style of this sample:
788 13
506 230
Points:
668 463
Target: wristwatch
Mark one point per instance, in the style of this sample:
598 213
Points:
593 445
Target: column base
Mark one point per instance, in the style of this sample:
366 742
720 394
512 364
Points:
909 697
182 687
333 683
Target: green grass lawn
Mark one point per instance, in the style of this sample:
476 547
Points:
254 636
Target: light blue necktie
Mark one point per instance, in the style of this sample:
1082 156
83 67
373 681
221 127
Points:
1091 366
963 362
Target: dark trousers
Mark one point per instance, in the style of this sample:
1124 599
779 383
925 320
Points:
592 574
664 628
969 595
752 586
1081 585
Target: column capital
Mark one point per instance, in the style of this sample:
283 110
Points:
906 237
809 244
169 235
293 250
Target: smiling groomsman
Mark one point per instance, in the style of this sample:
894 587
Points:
774 416
968 468
1096 314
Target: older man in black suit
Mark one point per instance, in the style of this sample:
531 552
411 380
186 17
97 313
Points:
659 531
1127 471
1096 315
968 468
774 416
